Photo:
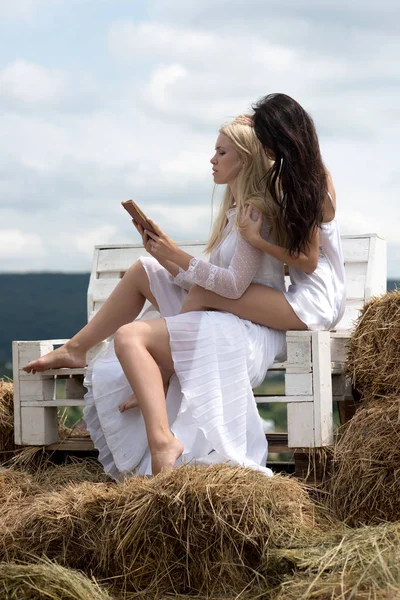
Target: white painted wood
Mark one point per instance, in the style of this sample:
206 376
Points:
283 399
102 289
16 398
299 356
299 384
43 388
355 280
355 248
121 258
377 271
339 348
300 425
350 316
307 367
52 403
322 386
39 425
92 279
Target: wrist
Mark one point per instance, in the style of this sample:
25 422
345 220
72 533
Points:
256 240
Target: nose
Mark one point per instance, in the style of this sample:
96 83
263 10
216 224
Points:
213 160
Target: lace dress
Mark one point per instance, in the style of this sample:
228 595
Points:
218 359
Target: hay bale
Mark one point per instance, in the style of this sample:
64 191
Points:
365 485
15 485
373 361
46 581
205 529
6 418
53 477
201 530
363 564
62 525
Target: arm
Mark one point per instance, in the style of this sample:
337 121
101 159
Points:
230 282
171 267
306 261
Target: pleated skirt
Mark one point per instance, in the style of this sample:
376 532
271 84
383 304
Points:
218 360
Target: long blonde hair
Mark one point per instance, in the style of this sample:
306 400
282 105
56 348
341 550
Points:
250 182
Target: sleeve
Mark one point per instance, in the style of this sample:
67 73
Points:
230 282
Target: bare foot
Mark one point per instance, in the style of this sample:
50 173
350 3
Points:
56 359
130 403
165 456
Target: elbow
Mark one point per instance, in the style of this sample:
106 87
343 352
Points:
311 266
236 294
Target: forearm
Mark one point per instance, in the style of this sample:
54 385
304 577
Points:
181 259
170 266
303 262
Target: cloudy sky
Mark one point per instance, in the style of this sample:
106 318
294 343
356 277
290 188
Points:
104 100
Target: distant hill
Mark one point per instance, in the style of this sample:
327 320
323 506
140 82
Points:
36 306
39 306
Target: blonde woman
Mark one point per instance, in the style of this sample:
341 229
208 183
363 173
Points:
209 414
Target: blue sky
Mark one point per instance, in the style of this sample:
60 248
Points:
103 100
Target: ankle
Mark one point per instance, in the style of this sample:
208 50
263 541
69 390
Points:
161 441
74 347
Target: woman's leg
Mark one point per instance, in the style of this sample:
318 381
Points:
260 304
132 400
140 348
123 306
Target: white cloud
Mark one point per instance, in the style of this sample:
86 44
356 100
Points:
85 242
75 142
24 83
22 9
14 243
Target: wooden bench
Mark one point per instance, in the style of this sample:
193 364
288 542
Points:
313 370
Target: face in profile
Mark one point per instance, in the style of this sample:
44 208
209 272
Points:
226 161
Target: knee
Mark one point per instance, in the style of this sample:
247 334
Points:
126 336
136 268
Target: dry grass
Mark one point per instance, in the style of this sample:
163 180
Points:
6 418
46 581
15 485
365 484
374 350
201 530
362 564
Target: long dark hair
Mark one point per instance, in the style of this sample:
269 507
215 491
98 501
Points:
297 180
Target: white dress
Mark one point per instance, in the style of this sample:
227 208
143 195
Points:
319 298
218 359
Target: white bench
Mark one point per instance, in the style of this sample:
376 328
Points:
313 370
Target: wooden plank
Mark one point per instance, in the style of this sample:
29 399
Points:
299 384
300 424
322 385
119 258
92 279
58 403
376 280
40 389
72 444
350 316
102 289
277 442
39 425
355 274
355 248
299 355
339 349
16 400
286 399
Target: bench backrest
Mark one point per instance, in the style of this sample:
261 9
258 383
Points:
364 257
